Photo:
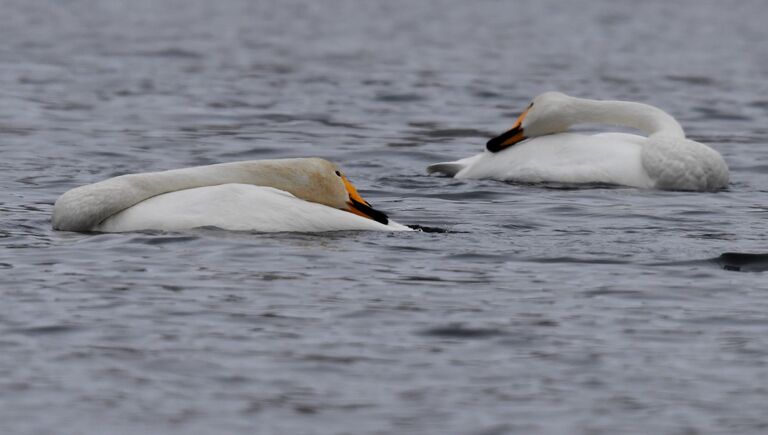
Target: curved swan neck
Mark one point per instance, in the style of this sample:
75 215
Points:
82 208
648 119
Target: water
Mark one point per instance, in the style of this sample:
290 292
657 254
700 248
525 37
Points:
545 309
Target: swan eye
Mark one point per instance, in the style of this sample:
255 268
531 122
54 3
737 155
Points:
530 105
338 173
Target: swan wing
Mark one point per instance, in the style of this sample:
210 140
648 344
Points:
685 165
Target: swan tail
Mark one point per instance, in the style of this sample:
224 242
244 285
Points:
446 168
452 169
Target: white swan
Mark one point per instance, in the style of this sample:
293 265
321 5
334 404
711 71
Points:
543 152
308 194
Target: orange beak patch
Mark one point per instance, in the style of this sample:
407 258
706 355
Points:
361 207
509 137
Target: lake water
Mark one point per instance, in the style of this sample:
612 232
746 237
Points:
544 310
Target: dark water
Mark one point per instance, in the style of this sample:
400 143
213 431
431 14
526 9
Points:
546 309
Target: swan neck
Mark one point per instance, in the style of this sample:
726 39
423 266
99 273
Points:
648 119
83 208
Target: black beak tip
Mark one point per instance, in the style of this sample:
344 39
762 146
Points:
494 145
497 143
371 212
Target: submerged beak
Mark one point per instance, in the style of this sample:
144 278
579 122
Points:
509 137
360 207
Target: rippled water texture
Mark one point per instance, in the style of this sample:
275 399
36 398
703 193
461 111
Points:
546 309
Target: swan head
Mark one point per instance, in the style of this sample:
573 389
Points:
548 113
318 180
357 205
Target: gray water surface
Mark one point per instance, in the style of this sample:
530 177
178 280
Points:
544 310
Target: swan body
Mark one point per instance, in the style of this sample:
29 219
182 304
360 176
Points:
539 149
304 195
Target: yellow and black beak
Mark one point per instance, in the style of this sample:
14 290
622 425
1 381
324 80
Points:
360 207
509 137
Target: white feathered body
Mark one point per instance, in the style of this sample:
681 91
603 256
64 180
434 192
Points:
255 195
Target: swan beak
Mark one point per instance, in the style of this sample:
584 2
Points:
361 207
509 137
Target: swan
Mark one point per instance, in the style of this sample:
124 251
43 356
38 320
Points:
538 149
303 194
